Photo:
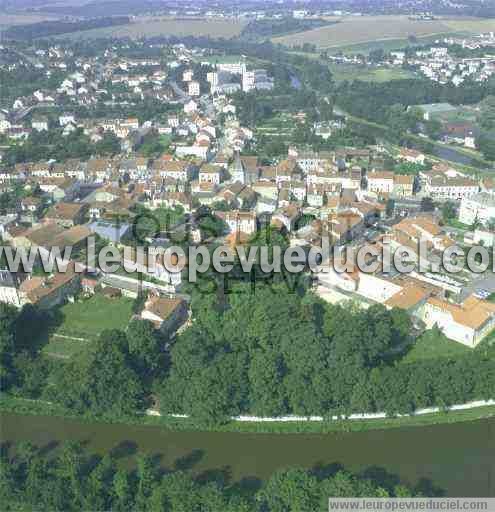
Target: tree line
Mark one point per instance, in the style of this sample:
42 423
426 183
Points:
264 350
266 347
74 479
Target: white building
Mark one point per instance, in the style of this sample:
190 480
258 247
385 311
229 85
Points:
190 107
381 182
8 289
453 189
467 323
241 222
194 88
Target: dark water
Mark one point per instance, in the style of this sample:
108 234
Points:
459 458
453 156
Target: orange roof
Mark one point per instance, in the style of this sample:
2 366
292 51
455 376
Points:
408 297
473 313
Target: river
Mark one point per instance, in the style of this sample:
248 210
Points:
459 458
452 155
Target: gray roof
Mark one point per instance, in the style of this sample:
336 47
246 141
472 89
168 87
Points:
108 230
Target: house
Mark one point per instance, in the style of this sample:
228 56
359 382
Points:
190 107
5 123
109 231
9 293
210 174
315 196
266 189
411 298
48 292
40 124
177 170
239 222
403 185
166 314
30 209
66 214
381 182
467 323
67 118
59 189
194 88
345 226
412 156
286 217
200 150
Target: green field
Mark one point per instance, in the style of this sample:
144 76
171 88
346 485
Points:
433 345
384 44
342 72
82 321
353 30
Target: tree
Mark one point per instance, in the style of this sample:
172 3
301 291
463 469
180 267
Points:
290 490
145 347
104 382
7 346
486 144
449 211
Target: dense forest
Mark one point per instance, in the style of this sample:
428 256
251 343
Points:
264 348
72 479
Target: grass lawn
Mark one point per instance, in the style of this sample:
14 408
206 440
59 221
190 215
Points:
433 345
64 348
85 320
454 223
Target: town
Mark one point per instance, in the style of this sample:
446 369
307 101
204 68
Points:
221 222
192 157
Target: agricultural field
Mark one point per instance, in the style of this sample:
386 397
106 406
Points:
342 72
165 26
83 320
9 20
362 29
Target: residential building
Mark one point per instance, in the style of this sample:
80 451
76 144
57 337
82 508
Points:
381 182
403 185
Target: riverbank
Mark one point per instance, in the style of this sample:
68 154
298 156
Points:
23 406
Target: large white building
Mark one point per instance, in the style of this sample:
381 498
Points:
467 323
453 189
8 289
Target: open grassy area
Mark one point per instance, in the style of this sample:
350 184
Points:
433 345
91 316
350 72
281 125
352 30
165 26
82 321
